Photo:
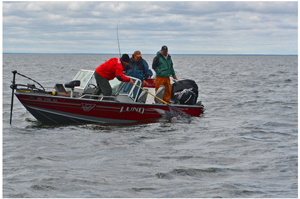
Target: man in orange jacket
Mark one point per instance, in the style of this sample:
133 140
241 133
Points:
108 71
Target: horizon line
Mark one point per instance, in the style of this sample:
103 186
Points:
155 54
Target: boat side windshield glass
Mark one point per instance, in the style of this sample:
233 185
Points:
128 89
84 76
115 85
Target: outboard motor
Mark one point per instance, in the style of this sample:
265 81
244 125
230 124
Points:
187 97
184 92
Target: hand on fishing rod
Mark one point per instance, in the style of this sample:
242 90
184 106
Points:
131 82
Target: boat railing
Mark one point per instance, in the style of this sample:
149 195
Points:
101 97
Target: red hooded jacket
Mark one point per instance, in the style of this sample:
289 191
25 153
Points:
111 69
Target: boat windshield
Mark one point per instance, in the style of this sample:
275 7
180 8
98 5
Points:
84 76
118 87
115 85
125 88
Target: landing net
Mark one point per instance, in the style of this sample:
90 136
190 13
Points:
179 114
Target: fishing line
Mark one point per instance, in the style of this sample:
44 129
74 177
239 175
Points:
118 39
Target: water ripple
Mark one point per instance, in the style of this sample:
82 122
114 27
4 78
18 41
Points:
245 145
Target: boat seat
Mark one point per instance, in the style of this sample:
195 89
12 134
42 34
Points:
72 84
143 97
124 98
60 88
160 94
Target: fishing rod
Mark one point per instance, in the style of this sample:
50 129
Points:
152 94
118 39
175 112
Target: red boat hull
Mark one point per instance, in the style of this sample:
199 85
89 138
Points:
49 109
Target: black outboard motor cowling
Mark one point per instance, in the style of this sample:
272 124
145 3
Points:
187 97
184 92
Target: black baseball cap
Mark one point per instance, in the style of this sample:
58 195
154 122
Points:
164 48
125 58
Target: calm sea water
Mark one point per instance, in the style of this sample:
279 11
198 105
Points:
245 145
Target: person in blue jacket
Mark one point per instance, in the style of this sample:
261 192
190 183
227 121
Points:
138 68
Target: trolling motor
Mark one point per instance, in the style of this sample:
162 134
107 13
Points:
13 87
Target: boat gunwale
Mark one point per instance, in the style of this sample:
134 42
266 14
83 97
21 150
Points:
106 101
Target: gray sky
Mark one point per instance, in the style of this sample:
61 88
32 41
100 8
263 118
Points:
194 27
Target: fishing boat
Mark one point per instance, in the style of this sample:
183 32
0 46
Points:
74 102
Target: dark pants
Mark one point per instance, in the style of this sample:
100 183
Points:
102 85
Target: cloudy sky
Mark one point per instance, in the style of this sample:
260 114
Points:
194 27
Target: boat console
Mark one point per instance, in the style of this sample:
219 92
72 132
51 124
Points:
121 91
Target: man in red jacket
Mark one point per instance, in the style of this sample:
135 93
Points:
108 71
